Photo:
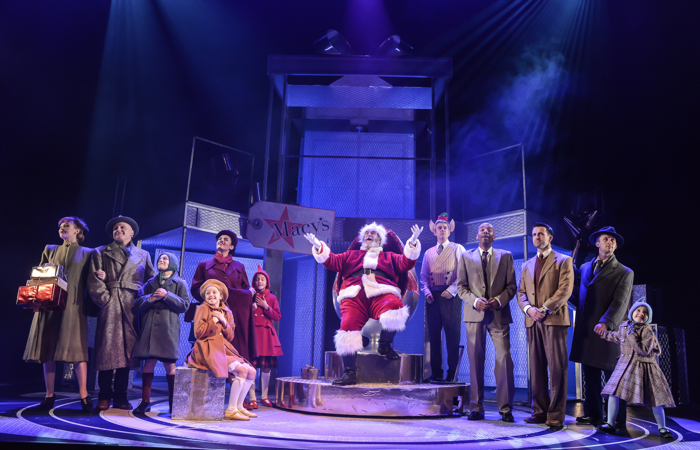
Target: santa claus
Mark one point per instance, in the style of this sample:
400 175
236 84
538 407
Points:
369 290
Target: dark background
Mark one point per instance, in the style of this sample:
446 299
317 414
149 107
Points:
604 95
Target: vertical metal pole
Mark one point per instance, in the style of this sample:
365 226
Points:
268 137
283 126
447 154
525 257
522 159
313 316
431 129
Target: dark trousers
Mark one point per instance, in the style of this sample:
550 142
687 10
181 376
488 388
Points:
547 347
444 313
593 404
121 382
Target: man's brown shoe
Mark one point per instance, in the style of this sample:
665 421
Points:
535 419
554 424
102 405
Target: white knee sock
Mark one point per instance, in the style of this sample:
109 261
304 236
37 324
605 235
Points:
265 381
236 387
252 391
660 416
246 385
613 408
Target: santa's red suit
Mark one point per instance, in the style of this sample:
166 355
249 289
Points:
369 290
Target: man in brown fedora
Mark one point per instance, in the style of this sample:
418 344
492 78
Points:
603 301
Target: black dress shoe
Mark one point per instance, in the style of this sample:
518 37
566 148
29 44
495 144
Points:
143 407
507 417
590 420
349 378
46 404
386 351
475 415
606 428
664 433
86 404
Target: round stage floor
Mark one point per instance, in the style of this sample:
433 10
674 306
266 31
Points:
275 428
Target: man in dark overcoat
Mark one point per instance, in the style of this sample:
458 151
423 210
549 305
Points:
117 273
603 301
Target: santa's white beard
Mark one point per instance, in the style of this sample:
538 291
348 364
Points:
368 246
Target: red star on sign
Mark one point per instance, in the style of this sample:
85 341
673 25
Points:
282 228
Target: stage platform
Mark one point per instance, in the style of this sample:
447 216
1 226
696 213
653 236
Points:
276 428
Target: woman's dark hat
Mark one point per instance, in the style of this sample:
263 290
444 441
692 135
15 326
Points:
116 220
607 230
230 234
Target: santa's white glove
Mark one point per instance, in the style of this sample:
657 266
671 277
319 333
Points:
311 238
416 232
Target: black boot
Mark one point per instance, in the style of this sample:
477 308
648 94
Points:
350 374
384 349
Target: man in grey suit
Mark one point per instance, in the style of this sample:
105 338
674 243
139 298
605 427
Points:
546 283
603 300
486 285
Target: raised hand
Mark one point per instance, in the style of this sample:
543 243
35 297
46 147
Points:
312 238
416 232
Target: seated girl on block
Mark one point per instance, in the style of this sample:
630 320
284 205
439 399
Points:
214 329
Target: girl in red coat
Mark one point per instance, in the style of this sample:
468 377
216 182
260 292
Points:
266 310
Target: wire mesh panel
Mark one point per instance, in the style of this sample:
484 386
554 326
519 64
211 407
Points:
507 225
301 326
359 187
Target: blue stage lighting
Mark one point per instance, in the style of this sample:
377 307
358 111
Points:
394 46
333 43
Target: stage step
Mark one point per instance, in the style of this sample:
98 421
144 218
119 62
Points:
374 368
371 399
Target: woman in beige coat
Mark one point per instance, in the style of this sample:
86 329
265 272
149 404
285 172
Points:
214 330
62 335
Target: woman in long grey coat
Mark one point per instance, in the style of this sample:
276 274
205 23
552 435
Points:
161 301
62 335
117 273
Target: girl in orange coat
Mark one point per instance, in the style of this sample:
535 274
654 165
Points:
213 328
267 309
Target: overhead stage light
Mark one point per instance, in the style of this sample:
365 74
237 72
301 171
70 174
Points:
333 43
394 46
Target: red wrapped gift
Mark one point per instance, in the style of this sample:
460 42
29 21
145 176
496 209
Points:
50 297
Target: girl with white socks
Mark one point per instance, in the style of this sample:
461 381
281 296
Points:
214 330
266 310
637 378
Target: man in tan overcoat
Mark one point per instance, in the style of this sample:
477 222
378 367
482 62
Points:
117 272
546 283
486 285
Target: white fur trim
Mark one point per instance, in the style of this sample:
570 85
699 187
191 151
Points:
395 319
410 252
349 292
374 289
348 342
323 256
371 258
381 231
